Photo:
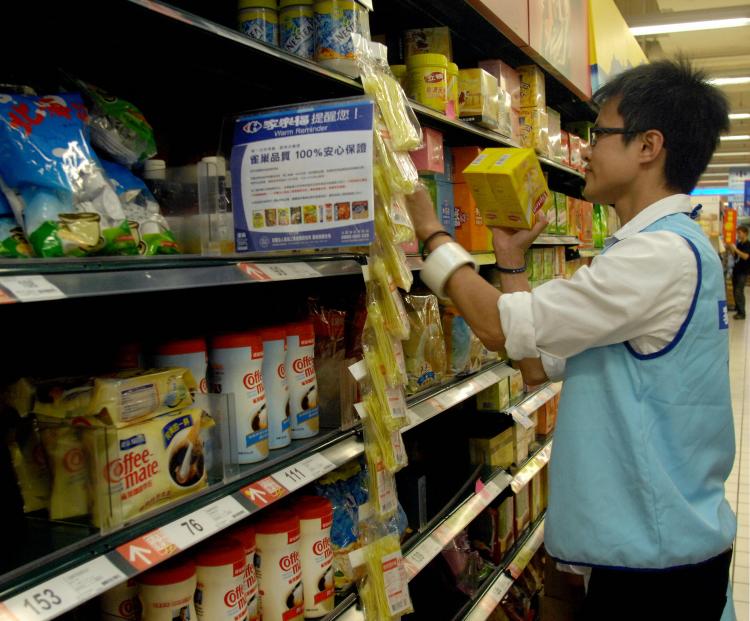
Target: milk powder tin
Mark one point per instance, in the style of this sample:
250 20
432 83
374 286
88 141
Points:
166 592
297 33
220 592
278 566
259 20
246 534
236 366
315 519
190 354
335 21
120 602
303 384
276 386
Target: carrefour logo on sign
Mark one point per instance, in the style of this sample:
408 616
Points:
723 315
252 127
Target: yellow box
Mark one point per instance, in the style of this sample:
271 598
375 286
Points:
477 97
534 124
496 451
533 93
429 41
508 187
535 494
496 398
516 385
505 531
470 230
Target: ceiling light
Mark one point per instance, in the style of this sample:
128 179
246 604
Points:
737 137
730 81
731 153
709 24
736 116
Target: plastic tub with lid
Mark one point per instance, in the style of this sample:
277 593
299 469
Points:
166 591
276 386
315 518
303 384
427 79
220 592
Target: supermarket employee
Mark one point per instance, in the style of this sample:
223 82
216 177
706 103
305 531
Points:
645 437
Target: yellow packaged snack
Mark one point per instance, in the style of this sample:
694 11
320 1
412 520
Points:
400 172
69 471
134 469
508 187
429 41
393 206
376 337
426 360
386 593
387 295
30 465
118 399
381 485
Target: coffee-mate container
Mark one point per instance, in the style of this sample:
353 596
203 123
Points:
187 353
315 519
276 386
166 591
246 534
303 384
120 602
236 366
220 593
278 566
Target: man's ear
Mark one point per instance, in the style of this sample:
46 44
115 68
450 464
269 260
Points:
652 145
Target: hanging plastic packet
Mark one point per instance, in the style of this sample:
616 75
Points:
376 337
426 359
13 242
150 230
394 208
68 466
389 299
388 438
30 465
119 128
401 173
381 482
379 82
396 263
53 179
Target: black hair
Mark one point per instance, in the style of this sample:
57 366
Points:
674 98
742 228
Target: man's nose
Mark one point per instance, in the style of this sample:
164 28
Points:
585 151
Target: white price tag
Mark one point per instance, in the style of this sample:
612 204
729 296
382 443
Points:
522 419
358 370
54 597
491 599
203 523
279 271
304 472
420 556
31 288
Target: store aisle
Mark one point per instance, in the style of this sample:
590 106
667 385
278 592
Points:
738 486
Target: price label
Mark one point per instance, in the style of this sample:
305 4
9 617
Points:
32 288
491 599
304 472
420 556
522 418
53 597
278 271
203 523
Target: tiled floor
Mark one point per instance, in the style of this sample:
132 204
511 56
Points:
738 485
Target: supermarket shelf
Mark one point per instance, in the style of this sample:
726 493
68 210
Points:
500 582
430 544
532 402
423 407
589 252
531 467
556 240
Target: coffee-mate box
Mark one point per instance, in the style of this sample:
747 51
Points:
508 187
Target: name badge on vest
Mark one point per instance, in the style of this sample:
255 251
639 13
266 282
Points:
723 315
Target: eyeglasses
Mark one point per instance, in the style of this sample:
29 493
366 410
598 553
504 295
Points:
595 132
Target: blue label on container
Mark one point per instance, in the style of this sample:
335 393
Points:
333 35
285 424
129 443
307 415
255 437
260 29
298 36
172 428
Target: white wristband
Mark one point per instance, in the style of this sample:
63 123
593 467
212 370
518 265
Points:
442 263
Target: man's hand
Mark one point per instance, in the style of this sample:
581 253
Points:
511 244
422 212
732 247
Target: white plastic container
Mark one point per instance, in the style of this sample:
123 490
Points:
220 592
236 366
120 602
277 387
188 353
246 535
315 519
303 384
278 566
166 592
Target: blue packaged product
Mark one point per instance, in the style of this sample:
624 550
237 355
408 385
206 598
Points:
297 28
13 243
149 228
259 20
335 21
61 196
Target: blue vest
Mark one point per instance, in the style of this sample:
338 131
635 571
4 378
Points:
644 443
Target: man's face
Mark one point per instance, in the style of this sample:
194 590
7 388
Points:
611 165
741 235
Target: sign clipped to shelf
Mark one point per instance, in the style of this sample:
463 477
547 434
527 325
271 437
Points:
302 176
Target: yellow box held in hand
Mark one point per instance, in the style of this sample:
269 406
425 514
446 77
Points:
508 187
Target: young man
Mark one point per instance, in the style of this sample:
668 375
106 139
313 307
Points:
740 270
645 437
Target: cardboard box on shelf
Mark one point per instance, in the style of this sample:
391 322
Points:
537 264
549 263
470 230
441 193
477 97
535 495
496 451
586 218
428 41
575 152
559 261
573 216
551 215
534 126
546 417
430 158
522 511
565 147
505 111
505 526
460 158
533 93
508 186
580 128
516 385
555 135
507 79
496 398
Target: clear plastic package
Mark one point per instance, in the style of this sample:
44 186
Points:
426 360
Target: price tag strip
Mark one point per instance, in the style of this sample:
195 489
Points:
521 560
64 592
278 271
531 469
491 599
32 288
303 472
522 411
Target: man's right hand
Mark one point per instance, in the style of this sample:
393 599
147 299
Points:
510 245
422 212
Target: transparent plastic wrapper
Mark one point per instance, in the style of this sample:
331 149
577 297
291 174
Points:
121 398
13 242
384 589
399 168
69 490
149 228
118 128
463 347
54 182
379 82
395 261
426 359
381 484
389 299
393 206
469 568
30 465
387 438
376 337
